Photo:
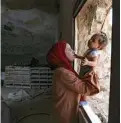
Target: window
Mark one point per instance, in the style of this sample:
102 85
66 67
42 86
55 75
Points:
89 20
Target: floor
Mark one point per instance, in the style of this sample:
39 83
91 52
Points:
39 108
35 110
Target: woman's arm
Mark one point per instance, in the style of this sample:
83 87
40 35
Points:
77 85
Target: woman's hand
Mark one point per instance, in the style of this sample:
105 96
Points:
85 62
89 63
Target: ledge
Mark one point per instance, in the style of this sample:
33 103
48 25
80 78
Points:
86 114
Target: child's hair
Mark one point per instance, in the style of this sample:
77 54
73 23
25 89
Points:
102 38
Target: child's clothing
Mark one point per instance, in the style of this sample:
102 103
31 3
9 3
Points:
89 54
87 73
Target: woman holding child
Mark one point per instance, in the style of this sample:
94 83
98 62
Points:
68 86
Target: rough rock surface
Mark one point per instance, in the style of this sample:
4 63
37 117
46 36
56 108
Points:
92 19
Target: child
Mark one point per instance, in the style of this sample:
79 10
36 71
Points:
91 56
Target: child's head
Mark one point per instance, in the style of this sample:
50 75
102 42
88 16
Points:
98 41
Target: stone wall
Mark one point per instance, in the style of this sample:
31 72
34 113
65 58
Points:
90 20
94 17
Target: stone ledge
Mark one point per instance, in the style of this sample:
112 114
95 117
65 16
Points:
86 114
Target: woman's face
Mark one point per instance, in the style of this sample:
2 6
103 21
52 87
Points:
69 53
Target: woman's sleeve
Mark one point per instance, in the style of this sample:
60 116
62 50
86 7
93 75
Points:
77 85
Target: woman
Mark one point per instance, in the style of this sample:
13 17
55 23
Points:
67 87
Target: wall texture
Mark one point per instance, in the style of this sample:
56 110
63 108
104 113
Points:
95 17
27 34
66 20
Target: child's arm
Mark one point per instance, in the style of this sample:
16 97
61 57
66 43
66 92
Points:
79 57
92 63
95 56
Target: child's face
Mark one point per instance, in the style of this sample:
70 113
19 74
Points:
94 44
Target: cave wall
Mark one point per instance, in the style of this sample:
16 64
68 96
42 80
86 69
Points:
91 19
95 16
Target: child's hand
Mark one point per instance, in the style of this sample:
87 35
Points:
85 62
79 57
76 56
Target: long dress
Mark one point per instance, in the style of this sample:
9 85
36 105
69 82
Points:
67 89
